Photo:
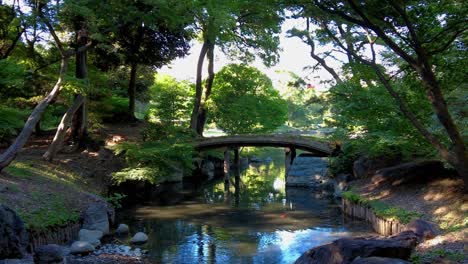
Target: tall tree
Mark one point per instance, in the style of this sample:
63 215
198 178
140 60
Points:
147 33
45 13
413 36
241 29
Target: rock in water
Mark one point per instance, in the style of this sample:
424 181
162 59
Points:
91 236
13 235
95 218
48 254
122 229
139 238
81 247
379 260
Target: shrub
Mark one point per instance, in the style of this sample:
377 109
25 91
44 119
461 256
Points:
11 120
165 150
110 109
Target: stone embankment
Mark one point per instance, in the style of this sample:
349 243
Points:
16 246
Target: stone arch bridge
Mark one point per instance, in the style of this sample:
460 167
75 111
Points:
290 143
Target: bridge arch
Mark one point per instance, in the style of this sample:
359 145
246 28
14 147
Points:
292 142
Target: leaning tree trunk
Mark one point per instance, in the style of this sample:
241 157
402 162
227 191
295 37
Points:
57 142
198 88
9 155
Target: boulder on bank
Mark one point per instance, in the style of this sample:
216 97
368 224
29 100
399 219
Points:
81 247
91 236
139 238
122 229
345 250
96 218
109 208
415 171
13 235
365 167
48 254
424 230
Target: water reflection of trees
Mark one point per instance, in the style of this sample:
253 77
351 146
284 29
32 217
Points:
257 186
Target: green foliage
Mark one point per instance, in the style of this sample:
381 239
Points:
22 170
242 29
12 77
447 227
244 101
171 101
52 116
382 209
116 200
11 120
111 109
305 107
368 122
165 151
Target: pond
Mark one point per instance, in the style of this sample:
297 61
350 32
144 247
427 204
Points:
258 221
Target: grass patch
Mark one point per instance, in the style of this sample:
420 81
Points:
447 227
51 210
42 194
19 169
432 255
41 173
382 209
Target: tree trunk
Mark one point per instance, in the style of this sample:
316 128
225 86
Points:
202 114
198 88
79 121
459 155
58 140
132 91
10 154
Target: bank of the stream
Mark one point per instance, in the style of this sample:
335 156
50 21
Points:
263 221
50 197
441 201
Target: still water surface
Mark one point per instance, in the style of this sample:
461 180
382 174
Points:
261 221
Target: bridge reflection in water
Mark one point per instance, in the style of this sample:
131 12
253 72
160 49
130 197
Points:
254 219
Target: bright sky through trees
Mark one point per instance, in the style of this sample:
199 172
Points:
294 57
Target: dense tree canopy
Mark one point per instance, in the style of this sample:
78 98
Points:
244 101
398 72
